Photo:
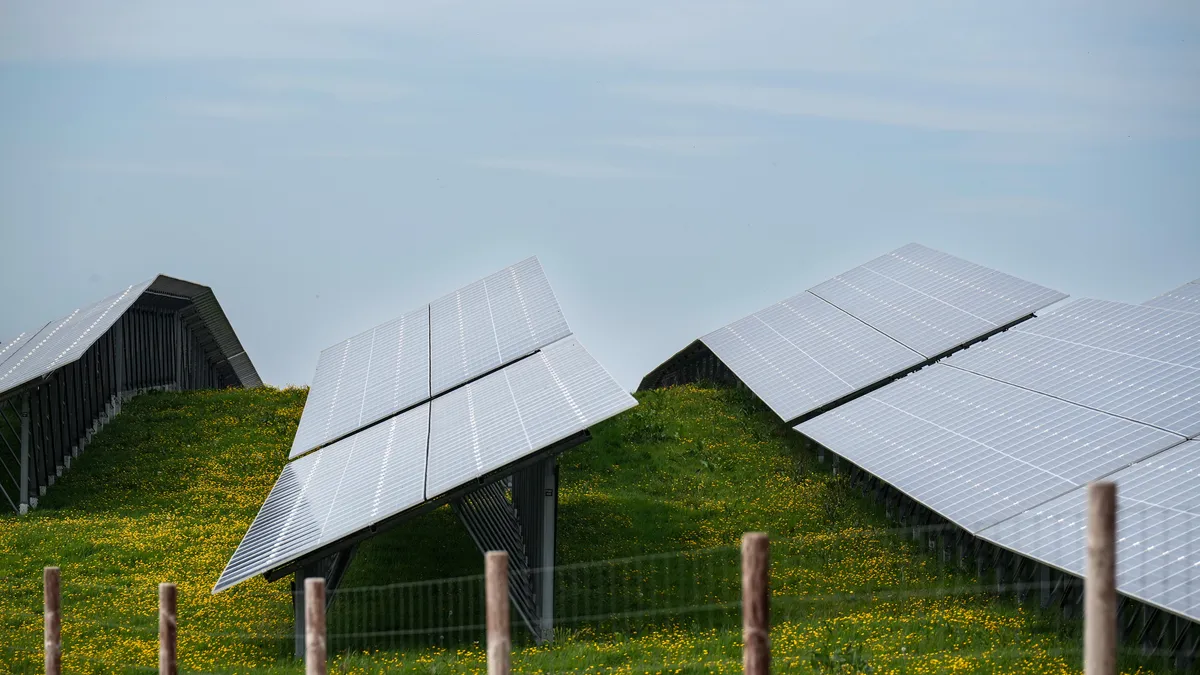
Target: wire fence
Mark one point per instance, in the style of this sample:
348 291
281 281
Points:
904 600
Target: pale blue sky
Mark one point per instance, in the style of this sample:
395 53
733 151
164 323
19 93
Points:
326 166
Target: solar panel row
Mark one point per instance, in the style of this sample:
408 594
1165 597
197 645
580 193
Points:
977 450
1137 362
869 324
428 351
63 341
1158 527
426 453
1186 298
1002 437
932 302
803 353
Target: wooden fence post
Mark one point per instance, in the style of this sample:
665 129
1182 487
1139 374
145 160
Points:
1100 584
52 604
499 640
314 626
756 639
167 629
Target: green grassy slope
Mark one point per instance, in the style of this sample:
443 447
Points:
167 490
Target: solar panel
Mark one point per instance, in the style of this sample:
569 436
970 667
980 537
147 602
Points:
491 322
1134 361
63 341
979 451
366 378
512 413
335 492
933 302
13 346
1186 298
803 353
1158 530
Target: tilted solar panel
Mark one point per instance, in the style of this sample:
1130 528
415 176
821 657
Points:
933 302
803 353
491 322
512 413
366 378
1158 530
13 346
65 340
403 362
979 451
1186 298
1134 361
334 492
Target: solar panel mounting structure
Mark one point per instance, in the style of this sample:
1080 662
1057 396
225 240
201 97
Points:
63 381
500 387
859 330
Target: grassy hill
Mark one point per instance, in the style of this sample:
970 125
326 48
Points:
166 491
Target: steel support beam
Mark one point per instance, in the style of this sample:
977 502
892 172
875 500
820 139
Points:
23 478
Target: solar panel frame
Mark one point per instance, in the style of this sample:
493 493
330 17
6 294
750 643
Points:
330 494
1186 298
802 353
364 379
976 450
1158 530
1137 362
511 414
933 302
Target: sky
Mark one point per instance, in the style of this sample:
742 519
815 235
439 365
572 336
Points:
327 166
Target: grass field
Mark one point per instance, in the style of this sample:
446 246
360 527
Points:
166 491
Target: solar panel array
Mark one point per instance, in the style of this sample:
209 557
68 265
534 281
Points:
63 341
871 323
932 302
1002 438
1137 362
469 385
476 329
1158 530
802 353
1186 298
976 450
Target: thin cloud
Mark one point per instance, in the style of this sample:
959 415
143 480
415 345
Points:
561 168
894 110
140 168
342 89
241 111
1008 206
683 145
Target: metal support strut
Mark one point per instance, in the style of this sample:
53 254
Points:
524 526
